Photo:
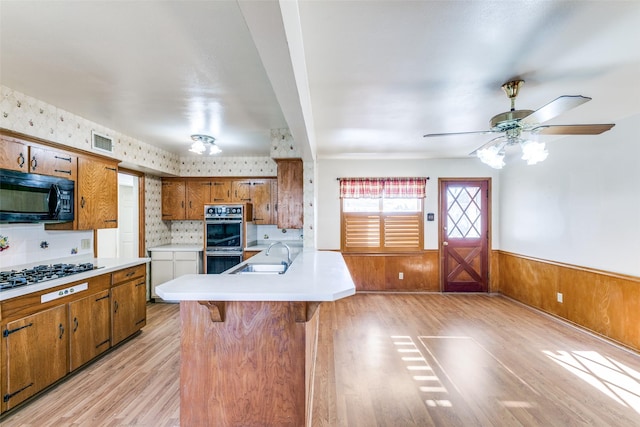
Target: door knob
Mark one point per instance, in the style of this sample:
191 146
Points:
445 243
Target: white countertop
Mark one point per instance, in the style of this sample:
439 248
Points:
179 247
313 276
101 266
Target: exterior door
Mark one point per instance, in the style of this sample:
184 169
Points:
464 221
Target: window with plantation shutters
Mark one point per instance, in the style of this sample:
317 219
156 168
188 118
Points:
382 215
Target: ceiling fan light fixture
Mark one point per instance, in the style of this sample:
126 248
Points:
492 156
534 152
202 142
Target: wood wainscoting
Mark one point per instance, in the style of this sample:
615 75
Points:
381 272
602 302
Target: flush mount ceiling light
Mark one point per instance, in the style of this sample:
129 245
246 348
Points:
513 124
202 142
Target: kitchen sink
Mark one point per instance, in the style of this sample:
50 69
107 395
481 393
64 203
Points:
280 268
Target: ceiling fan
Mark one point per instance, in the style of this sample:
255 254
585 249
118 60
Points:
514 123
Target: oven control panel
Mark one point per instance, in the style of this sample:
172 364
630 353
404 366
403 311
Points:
223 211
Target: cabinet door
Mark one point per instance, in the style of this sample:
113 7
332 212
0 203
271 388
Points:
14 155
90 331
97 194
261 200
185 263
221 191
35 353
173 200
161 269
198 193
51 162
241 191
290 203
128 309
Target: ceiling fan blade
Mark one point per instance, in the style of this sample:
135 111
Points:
593 129
429 135
487 144
554 108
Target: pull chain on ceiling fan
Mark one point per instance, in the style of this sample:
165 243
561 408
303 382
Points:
513 123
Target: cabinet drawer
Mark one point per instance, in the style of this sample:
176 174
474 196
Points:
128 274
186 256
162 255
32 303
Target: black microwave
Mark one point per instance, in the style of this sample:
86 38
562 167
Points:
29 197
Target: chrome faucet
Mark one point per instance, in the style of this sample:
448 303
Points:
283 244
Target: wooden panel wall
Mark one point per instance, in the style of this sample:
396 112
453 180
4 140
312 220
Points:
605 303
380 272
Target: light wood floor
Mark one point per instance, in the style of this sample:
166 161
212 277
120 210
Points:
386 360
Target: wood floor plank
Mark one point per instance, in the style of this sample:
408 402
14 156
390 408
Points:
385 360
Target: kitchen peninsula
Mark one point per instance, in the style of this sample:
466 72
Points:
248 340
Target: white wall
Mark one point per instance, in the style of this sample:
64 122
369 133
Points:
581 206
328 204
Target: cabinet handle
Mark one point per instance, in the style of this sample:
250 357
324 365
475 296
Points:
8 332
82 202
115 306
66 159
190 207
131 273
34 163
111 169
62 171
228 193
218 200
110 220
8 396
75 324
182 203
101 298
267 207
61 328
140 284
21 160
140 321
103 343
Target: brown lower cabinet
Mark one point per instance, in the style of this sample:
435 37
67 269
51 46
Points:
36 349
128 303
44 341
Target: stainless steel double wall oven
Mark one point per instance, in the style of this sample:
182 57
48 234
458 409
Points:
224 235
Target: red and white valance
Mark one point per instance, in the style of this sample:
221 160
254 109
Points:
376 188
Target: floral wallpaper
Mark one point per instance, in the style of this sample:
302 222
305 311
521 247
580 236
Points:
28 115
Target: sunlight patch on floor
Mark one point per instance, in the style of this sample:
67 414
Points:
428 383
612 378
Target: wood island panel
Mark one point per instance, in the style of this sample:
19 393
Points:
250 369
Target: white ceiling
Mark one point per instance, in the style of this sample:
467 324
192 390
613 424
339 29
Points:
349 78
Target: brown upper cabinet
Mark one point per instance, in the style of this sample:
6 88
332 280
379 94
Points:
173 199
290 194
23 156
97 200
220 191
184 198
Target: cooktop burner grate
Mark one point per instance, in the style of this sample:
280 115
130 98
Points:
40 273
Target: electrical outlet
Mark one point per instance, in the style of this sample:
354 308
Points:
560 297
85 243
401 275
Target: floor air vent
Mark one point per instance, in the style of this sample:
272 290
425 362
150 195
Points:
101 142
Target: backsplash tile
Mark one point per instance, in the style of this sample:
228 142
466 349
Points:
32 244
